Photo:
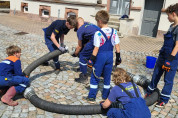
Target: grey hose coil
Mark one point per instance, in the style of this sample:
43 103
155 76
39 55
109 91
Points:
70 109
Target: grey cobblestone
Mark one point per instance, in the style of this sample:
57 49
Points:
23 115
62 88
40 116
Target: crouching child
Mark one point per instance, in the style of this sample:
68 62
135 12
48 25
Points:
124 100
11 76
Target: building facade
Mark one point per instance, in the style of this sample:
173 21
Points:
49 10
146 17
149 17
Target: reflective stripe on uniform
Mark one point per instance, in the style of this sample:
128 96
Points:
5 61
82 64
57 62
93 86
107 86
165 95
151 88
23 85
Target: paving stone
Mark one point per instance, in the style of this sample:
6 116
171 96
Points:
173 112
40 116
73 116
155 113
10 108
24 110
16 115
1 112
32 108
170 115
23 115
157 109
32 114
163 113
61 88
2 107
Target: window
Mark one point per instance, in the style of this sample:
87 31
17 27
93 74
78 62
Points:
45 13
71 14
25 9
120 7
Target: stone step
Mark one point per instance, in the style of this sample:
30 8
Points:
120 34
114 16
114 19
114 26
117 28
114 23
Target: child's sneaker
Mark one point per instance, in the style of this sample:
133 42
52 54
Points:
83 78
160 104
89 100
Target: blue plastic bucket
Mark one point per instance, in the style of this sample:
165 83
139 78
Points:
150 61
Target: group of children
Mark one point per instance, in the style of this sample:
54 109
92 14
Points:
95 50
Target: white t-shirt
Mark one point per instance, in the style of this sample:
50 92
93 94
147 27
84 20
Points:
99 39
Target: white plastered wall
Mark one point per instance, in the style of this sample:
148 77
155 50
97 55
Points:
137 14
15 5
87 12
4 0
164 22
84 1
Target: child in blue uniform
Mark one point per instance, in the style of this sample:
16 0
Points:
11 75
102 57
125 100
85 46
168 59
57 30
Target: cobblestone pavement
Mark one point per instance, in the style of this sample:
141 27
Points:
62 88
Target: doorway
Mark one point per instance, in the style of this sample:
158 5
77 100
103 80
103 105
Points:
151 17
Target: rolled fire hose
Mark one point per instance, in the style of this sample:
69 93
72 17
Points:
74 109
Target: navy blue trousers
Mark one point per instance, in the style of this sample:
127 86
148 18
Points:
168 78
103 64
20 82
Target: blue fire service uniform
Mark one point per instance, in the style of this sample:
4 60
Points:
169 43
132 105
57 27
107 38
11 74
85 33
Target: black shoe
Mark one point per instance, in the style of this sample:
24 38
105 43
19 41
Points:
89 100
82 78
57 71
45 64
160 104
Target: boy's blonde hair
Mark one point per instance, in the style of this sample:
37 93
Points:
11 50
172 8
103 16
120 75
72 21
